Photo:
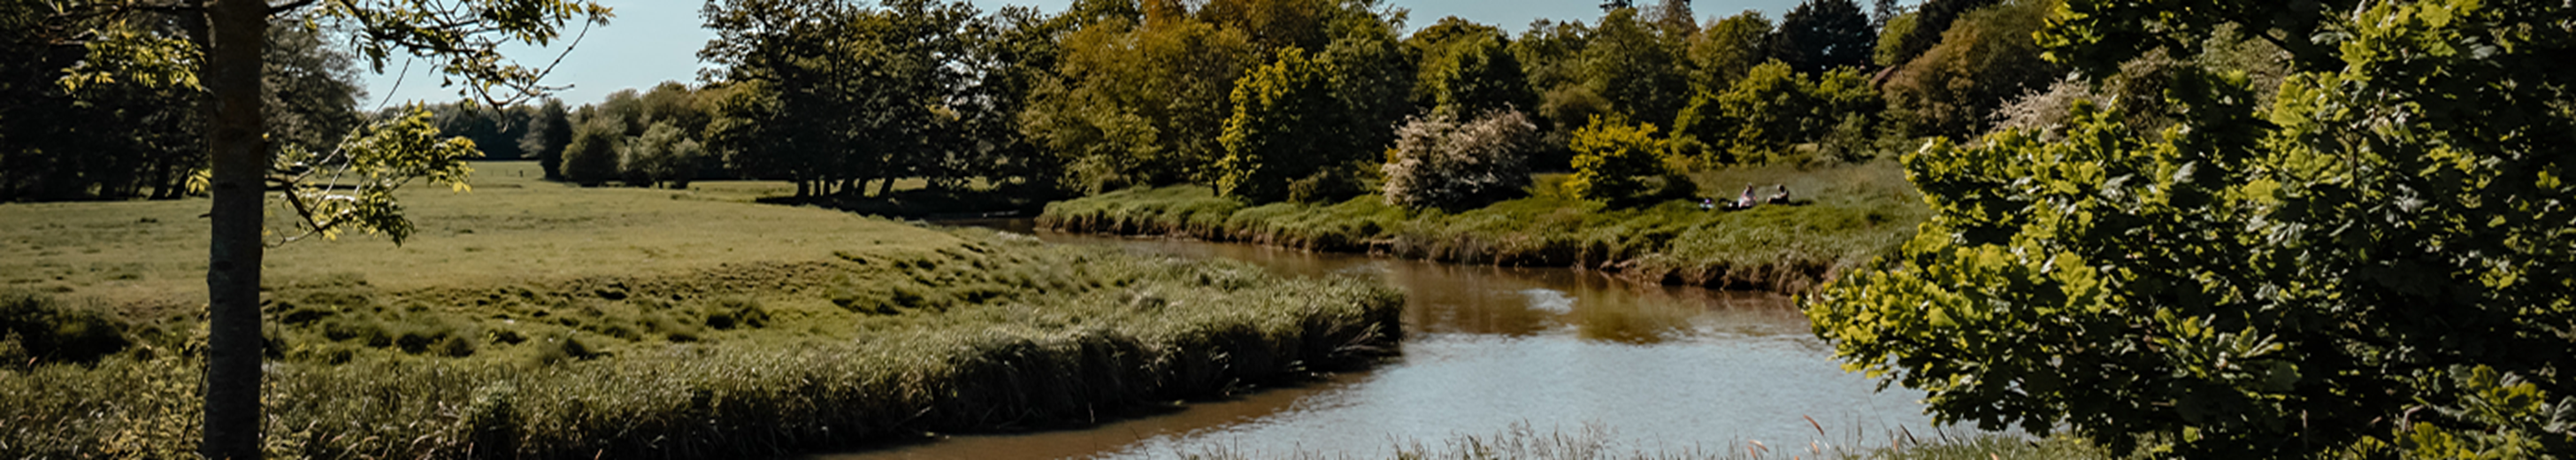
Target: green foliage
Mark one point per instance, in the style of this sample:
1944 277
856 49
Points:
352 187
591 159
1824 35
1285 127
1727 49
1614 160
130 123
831 95
1139 103
1441 162
2379 247
1468 69
41 328
1772 109
1986 59
663 155
548 133
1891 38
1930 20
1636 69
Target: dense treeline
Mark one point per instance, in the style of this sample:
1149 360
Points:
1265 100
71 135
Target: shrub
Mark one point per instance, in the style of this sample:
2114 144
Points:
42 328
1440 163
1613 160
592 157
663 155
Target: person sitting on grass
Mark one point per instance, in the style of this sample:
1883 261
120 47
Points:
1707 204
1743 200
1781 197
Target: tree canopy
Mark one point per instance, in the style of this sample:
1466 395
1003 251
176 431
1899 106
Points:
2375 265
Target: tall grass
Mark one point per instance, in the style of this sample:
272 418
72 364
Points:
1061 346
531 320
1845 217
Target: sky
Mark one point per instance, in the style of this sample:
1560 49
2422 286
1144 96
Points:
651 41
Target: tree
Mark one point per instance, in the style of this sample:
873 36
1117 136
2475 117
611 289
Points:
1137 103
596 149
1285 127
547 135
1468 68
1613 161
223 43
663 155
1821 35
834 94
135 138
1986 59
1439 162
1891 37
1931 19
2373 266
1770 110
1727 49
1629 64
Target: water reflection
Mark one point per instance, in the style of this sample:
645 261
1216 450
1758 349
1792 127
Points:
1662 368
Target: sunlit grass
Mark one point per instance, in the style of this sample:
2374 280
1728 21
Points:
637 323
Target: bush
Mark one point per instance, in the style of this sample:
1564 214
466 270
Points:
1440 163
663 155
592 157
41 328
1612 162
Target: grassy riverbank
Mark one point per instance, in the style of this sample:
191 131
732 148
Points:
532 320
1847 216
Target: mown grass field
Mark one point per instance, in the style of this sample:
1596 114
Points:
1845 216
533 320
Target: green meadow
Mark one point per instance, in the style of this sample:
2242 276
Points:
530 319
1842 217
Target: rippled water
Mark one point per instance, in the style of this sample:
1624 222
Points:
1657 368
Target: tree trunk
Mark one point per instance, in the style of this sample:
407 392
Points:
236 34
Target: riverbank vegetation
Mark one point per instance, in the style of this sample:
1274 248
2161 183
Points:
1850 215
2367 255
536 320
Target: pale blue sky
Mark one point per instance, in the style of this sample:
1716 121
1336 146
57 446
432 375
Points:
651 41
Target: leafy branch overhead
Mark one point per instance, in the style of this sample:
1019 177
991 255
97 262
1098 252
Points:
352 186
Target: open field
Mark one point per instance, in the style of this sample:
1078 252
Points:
1847 216
534 320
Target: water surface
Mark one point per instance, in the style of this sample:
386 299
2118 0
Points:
1657 368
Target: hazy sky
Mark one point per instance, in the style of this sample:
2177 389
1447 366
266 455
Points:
651 41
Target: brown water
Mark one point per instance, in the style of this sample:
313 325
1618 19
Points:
1657 368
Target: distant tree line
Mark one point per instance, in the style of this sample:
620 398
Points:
1267 100
140 138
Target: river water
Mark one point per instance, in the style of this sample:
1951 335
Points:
1555 351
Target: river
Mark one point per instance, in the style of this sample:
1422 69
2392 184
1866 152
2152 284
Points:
1556 351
